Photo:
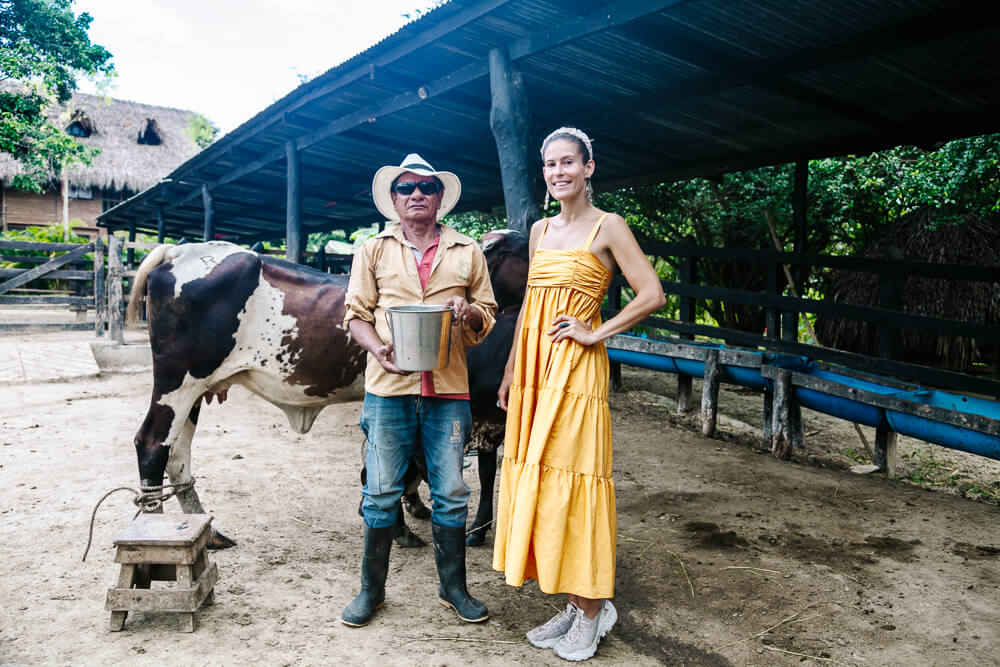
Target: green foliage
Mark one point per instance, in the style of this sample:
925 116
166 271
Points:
44 47
201 131
476 223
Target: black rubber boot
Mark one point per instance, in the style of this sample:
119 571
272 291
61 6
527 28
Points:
449 553
374 567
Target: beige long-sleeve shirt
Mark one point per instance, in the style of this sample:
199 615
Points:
384 274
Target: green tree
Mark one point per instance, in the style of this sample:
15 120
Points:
44 48
201 131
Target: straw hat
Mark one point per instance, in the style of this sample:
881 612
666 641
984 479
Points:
417 165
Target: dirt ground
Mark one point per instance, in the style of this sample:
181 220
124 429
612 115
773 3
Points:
725 555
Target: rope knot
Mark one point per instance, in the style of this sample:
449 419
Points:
150 500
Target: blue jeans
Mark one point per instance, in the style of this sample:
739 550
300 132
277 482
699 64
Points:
393 426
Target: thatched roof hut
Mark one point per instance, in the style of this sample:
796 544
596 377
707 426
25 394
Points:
974 242
140 143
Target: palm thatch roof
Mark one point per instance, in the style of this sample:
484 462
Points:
973 242
139 143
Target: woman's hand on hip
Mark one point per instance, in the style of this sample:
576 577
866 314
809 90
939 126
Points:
564 327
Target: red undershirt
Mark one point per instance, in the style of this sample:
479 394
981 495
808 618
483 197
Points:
424 265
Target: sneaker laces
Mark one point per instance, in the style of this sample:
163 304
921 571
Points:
577 628
559 618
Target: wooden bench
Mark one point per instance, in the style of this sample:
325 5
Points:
163 547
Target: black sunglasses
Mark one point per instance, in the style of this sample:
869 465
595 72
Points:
426 187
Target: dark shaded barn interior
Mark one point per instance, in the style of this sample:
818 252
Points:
670 89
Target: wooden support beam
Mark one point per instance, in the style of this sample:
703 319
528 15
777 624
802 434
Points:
786 421
160 225
208 230
710 393
115 300
885 451
130 253
510 119
100 299
293 218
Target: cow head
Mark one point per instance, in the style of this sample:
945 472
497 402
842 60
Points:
506 254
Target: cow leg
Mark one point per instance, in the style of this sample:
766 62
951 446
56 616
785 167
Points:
484 514
179 472
411 496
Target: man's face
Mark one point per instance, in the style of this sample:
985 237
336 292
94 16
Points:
416 206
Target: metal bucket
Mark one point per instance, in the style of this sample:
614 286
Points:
421 336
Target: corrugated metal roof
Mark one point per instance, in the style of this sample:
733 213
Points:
675 89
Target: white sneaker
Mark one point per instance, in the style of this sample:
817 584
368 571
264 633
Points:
580 643
546 636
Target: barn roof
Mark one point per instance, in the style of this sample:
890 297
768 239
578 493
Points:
669 89
114 127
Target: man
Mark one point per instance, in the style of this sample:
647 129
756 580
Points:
416 260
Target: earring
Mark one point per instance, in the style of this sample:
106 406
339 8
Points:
545 207
590 192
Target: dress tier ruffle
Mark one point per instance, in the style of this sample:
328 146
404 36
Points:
556 520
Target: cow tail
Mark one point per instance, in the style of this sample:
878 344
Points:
136 296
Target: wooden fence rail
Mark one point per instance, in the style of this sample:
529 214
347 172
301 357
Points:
71 265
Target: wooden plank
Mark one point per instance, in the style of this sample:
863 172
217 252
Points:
63 274
51 300
974 422
140 245
163 600
45 326
44 247
39 271
165 530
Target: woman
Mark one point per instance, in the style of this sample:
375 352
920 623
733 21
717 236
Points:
556 514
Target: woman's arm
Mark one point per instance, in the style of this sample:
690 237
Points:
508 373
641 277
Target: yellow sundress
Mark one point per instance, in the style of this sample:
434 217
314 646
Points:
555 518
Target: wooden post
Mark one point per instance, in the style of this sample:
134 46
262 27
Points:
206 199
160 225
688 275
321 259
64 191
293 219
890 290
790 319
615 297
115 305
100 299
787 419
130 253
710 393
885 450
510 121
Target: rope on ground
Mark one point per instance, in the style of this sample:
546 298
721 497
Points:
151 499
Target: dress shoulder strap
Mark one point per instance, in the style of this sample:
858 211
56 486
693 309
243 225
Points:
593 233
545 228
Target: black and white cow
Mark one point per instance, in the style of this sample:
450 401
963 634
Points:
220 315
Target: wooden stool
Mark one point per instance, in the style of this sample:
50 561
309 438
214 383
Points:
163 547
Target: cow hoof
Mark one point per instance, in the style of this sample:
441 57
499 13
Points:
408 540
415 506
476 537
220 541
